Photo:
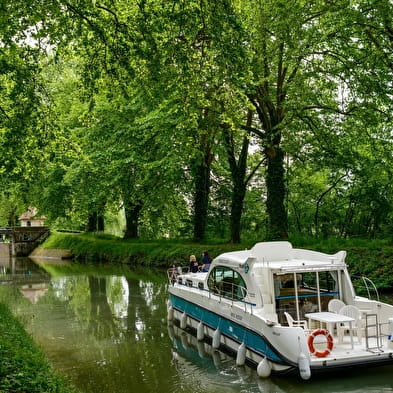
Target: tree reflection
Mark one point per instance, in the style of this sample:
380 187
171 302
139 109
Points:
107 331
101 319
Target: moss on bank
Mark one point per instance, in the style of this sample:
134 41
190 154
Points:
23 367
364 257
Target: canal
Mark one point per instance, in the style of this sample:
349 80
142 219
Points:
105 329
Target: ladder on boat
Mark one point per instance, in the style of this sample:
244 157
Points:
372 333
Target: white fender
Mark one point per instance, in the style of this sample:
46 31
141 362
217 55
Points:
170 313
304 366
168 304
200 331
216 339
241 355
264 369
183 321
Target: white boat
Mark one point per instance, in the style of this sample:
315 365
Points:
273 307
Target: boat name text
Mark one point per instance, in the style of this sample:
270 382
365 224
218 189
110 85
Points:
236 316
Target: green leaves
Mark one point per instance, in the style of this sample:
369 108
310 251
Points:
106 101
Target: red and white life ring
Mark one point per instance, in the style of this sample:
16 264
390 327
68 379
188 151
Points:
329 342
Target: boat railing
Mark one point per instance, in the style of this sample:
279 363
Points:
368 282
234 293
174 271
363 285
224 289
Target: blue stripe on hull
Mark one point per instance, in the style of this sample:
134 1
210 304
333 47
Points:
233 330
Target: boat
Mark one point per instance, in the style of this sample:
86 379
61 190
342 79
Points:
283 310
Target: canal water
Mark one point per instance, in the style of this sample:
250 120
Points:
105 329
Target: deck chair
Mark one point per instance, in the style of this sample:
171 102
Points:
293 323
355 313
335 305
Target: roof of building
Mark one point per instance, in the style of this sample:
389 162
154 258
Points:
31 214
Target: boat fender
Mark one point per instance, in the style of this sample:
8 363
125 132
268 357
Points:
200 331
216 339
170 313
241 355
304 366
264 369
183 321
329 342
168 304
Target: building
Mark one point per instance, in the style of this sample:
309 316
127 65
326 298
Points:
30 218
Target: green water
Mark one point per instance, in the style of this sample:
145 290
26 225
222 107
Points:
107 332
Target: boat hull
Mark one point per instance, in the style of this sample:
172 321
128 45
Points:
264 344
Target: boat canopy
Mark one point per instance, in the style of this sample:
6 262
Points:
282 257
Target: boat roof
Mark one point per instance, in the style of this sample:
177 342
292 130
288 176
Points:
282 257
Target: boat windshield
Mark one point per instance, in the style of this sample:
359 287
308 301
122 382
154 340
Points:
227 282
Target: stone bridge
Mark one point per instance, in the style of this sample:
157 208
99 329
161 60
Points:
22 240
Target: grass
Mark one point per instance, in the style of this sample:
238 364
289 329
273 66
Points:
23 367
372 258
88 247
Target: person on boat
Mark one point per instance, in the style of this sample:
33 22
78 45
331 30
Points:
206 261
194 266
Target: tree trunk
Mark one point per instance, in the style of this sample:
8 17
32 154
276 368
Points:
201 198
276 191
132 213
95 222
238 173
238 195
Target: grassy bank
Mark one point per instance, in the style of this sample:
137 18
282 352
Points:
23 367
364 257
87 247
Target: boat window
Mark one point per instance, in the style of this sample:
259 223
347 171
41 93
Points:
328 281
312 292
227 282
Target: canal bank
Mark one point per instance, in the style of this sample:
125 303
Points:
101 248
365 257
23 367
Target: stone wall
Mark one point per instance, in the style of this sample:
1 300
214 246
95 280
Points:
5 250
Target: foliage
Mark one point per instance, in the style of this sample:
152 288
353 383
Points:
23 367
199 118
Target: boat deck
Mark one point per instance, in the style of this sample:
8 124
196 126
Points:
344 351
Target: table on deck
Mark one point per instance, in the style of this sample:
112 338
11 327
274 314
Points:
331 318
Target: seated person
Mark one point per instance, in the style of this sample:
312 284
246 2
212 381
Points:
194 266
206 261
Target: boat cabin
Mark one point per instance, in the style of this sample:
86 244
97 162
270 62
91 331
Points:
277 279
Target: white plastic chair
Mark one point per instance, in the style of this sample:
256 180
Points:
355 313
293 323
335 305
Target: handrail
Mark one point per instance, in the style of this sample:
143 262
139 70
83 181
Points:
365 280
232 291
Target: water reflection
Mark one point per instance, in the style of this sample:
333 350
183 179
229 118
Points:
106 330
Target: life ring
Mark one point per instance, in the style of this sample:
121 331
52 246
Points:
329 341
